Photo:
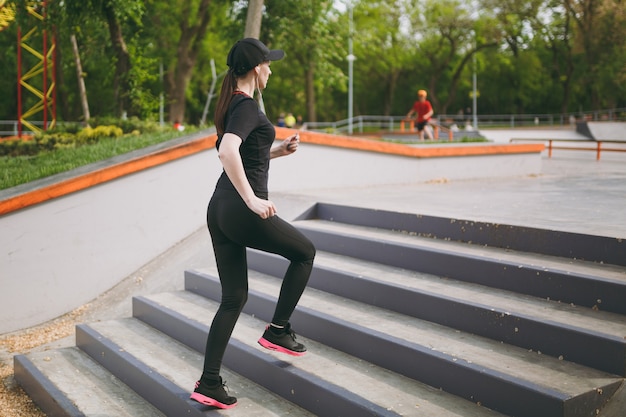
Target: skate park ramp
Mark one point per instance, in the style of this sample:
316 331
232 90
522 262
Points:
614 131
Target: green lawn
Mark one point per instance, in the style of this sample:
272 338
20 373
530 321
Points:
23 169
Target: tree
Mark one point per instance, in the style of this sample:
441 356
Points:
254 19
180 33
447 37
81 81
115 13
385 53
306 30
8 57
555 35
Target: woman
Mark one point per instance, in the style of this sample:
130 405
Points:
240 215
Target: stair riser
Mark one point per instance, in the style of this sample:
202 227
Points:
307 391
492 389
590 349
530 280
156 389
525 239
42 391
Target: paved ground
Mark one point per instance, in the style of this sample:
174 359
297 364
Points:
574 192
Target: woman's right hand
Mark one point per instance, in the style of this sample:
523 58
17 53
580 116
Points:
263 208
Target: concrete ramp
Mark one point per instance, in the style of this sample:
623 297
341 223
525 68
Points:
603 130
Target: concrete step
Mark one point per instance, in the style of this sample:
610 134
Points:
164 371
581 283
502 377
598 249
404 315
67 382
577 334
325 381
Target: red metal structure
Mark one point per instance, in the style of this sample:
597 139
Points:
36 70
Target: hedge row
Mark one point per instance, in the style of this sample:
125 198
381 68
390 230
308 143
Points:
71 135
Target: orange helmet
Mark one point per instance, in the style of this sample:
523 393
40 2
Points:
421 93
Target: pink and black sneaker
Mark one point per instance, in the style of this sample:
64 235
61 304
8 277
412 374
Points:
282 340
213 395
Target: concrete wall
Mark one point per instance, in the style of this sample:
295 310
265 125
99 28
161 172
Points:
316 166
59 255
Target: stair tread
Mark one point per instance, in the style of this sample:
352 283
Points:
506 302
613 273
565 377
89 386
383 387
183 366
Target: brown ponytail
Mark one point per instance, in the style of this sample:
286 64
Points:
226 95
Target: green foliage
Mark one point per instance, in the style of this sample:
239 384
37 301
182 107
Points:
21 167
534 56
93 135
71 136
466 139
128 125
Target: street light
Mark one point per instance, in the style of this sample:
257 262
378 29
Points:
474 93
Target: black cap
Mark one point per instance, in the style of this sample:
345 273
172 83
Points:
248 53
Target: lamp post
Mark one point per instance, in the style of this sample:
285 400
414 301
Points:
474 94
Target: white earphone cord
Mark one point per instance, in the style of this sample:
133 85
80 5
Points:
261 104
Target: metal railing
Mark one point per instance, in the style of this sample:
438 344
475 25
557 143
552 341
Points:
10 128
582 145
362 124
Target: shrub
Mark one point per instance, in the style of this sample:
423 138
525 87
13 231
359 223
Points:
16 147
67 127
71 135
8 146
49 141
93 135
128 125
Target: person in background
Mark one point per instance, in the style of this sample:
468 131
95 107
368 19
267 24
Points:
281 120
424 111
290 121
241 215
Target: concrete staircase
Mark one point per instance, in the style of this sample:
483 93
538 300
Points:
404 315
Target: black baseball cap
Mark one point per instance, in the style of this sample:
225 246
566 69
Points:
248 53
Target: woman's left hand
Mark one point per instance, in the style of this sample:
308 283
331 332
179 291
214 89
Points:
290 145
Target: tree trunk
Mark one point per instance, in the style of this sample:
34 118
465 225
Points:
188 48
455 82
585 16
62 97
392 81
569 66
178 81
121 85
81 81
310 93
253 19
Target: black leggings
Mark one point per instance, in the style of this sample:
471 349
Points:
233 227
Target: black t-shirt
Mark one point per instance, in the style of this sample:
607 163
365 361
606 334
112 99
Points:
245 119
